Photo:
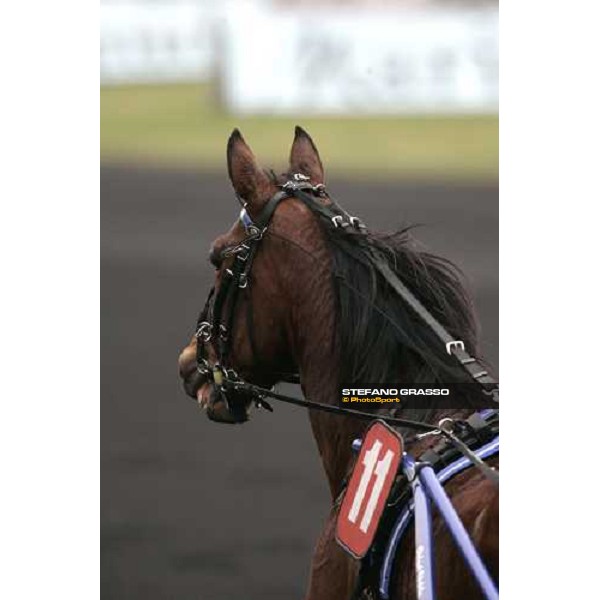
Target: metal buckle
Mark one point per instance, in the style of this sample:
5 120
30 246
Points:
320 189
301 177
255 232
243 283
204 368
290 186
204 331
242 252
425 434
447 425
454 344
300 181
230 374
337 221
357 223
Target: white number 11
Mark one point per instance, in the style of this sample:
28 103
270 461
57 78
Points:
381 468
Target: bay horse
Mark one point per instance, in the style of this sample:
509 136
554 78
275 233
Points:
314 308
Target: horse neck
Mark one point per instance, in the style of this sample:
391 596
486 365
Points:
316 356
333 433
315 344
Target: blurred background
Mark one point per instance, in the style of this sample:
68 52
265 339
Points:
401 98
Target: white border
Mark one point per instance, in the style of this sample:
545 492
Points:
49 503
549 300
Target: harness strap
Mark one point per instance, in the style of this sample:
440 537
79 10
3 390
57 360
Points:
261 393
203 327
405 516
263 219
454 347
221 329
442 454
445 427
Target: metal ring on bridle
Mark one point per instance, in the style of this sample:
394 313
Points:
203 367
204 331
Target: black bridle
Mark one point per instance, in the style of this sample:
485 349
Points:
216 319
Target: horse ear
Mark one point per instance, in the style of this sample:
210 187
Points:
248 179
304 157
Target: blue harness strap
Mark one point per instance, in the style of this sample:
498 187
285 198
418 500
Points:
405 516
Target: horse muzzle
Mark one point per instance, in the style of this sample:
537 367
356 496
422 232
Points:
221 406
208 386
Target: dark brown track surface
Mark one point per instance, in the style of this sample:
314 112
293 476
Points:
196 510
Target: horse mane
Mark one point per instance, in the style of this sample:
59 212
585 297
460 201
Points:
381 340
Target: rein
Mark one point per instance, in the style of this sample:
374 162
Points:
216 319
449 428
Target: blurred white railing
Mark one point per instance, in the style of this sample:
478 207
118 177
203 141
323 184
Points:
156 41
275 60
358 61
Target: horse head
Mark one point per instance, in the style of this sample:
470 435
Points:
256 336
